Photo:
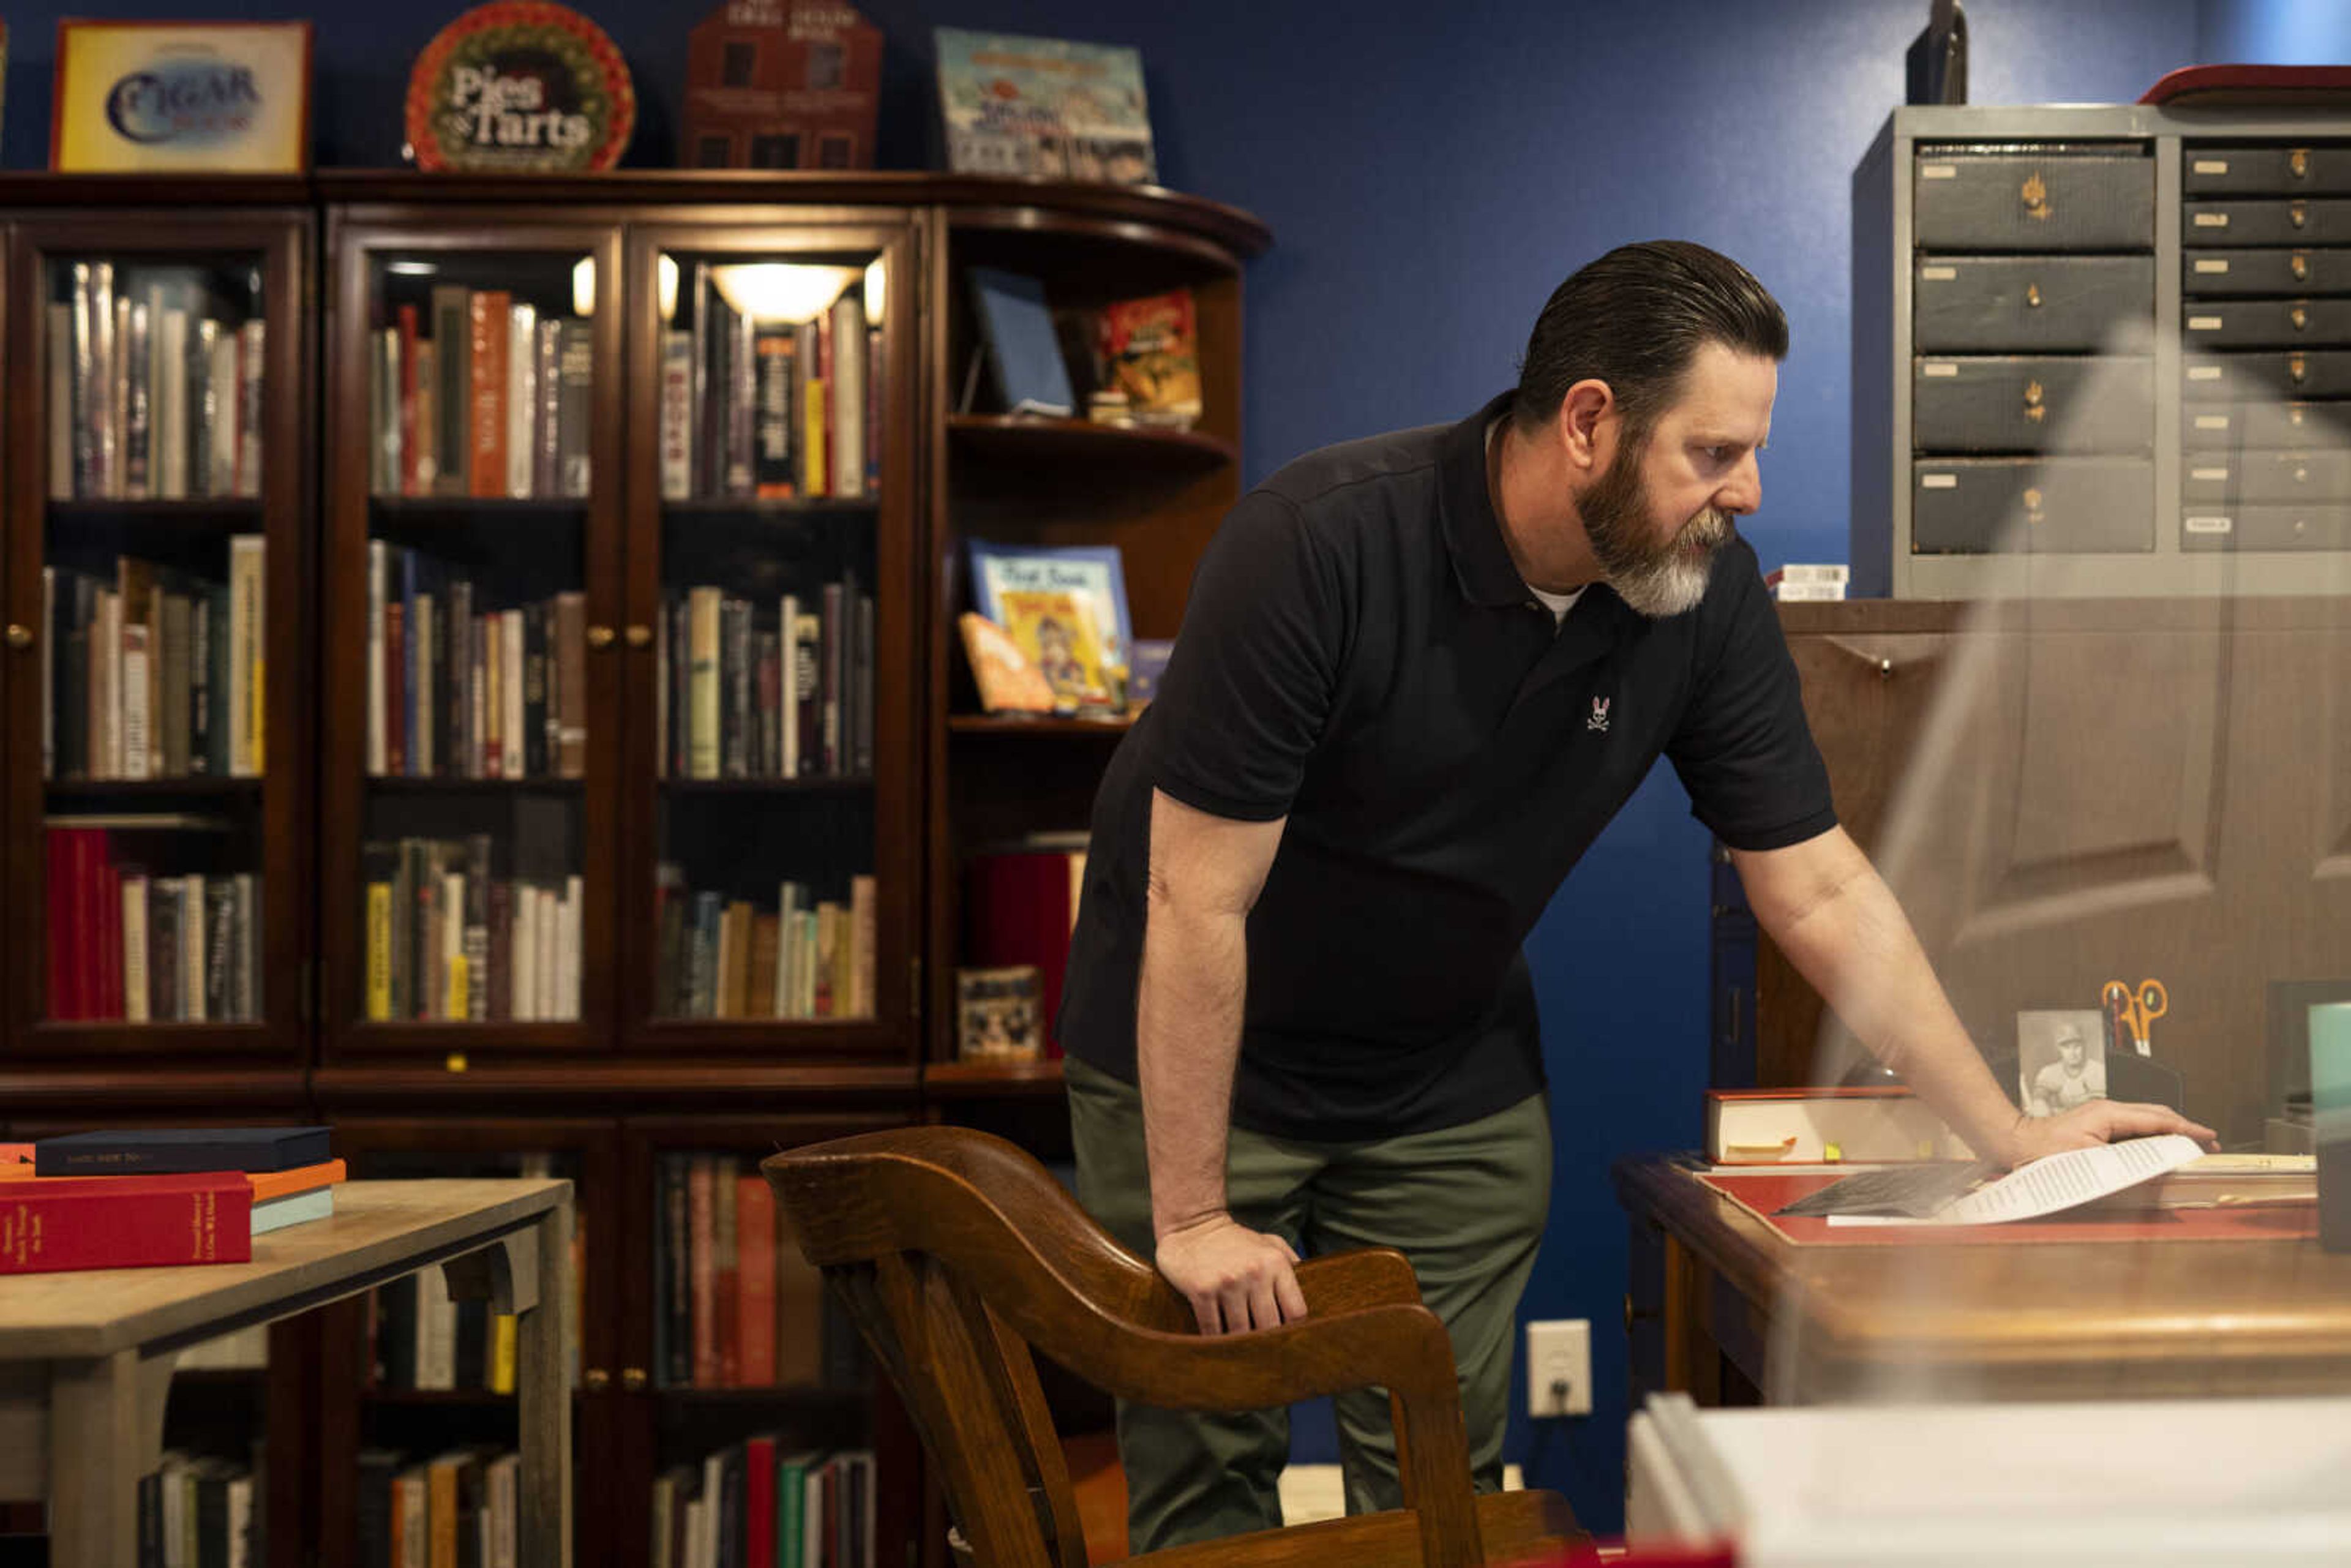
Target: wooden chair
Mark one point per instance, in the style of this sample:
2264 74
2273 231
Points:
955 1252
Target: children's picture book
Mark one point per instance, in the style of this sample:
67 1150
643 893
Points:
1150 352
1023 352
1065 608
1007 682
997 1014
1043 106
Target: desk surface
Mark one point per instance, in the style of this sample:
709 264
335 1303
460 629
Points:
2049 1319
380 1229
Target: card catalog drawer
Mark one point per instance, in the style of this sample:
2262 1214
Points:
2033 404
2301 271
2315 527
2255 222
2318 170
2321 474
2317 373
2253 425
1975 303
2085 198
2265 323
1976 505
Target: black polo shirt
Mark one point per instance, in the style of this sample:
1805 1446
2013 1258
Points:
1360 656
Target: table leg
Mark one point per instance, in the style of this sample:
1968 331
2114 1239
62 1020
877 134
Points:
543 1336
106 1430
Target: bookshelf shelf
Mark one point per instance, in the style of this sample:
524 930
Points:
458 511
115 790
399 784
243 512
992 1080
816 784
754 510
1038 727
1026 438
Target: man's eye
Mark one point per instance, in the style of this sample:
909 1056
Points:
1720 453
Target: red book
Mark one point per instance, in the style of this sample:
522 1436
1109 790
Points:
755 1283
60 908
408 480
759 1497
486 372
124 1222
1018 911
106 935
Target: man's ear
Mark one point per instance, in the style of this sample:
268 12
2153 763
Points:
1586 424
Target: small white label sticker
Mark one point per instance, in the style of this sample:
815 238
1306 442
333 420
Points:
2211 165
2211 421
2212 220
1938 171
1939 368
1938 481
1937 273
2208 525
2219 474
2212 268
2203 323
2204 372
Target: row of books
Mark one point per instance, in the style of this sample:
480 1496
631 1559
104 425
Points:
151 396
131 944
155 673
724 959
451 937
742 696
758 408
734 1303
461 1508
460 689
486 396
196 1512
754 1505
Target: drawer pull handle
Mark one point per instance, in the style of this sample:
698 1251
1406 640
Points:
2035 408
2299 265
2298 163
2033 517
2298 214
2297 369
2033 297
2036 197
2301 474
2300 317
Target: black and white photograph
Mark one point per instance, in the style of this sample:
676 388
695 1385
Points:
2060 1058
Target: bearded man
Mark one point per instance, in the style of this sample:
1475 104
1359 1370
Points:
1417 676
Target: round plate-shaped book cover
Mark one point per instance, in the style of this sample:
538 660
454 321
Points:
520 85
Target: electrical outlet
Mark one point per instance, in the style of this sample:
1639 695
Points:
1558 1367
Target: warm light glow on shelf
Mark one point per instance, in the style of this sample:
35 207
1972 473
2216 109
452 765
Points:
666 287
782 290
583 287
877 291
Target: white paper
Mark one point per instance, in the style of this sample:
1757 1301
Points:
2054 1183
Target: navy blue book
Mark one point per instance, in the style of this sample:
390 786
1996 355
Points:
179 1151
1022 350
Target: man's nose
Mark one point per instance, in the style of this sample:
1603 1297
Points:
1744 492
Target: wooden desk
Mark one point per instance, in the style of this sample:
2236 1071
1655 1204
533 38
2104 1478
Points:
1719 1306
85 1358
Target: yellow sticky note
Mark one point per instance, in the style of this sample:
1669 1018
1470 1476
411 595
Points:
1832 1152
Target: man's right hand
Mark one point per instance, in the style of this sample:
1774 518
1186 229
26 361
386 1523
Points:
1236 1278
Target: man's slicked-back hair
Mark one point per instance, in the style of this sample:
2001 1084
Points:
1635 318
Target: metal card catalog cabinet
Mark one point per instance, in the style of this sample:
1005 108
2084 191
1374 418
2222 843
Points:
2101 352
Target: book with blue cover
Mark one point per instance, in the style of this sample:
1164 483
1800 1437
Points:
177 1151
1024 354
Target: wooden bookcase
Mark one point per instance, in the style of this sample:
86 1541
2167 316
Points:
621 1084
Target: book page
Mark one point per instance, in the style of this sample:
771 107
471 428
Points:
2054 1183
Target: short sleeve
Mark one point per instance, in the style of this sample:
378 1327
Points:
1743 749
1248 687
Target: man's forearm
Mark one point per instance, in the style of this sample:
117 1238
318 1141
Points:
1847 934
1187 1032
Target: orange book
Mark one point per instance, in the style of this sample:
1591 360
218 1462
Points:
486 370
755 1280
267 1185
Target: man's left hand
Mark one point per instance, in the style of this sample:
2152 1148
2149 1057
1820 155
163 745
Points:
2103 1121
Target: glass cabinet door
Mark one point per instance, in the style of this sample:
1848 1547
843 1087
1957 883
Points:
471 558
158 526
771 798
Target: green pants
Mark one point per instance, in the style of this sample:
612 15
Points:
1465 1204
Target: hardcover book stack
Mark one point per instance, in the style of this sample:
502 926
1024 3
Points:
724 959
765 399
458 930
154 392
481 394
460 1506
745 693
734 1304
152 673
458 688
153 1198
756 1504
131 941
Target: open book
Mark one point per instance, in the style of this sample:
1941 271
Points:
2169 1171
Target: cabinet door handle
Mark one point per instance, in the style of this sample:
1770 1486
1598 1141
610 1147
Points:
639 636
632 1378
595 1379
19 636
600 637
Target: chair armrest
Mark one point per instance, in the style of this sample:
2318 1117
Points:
1370 1276
1513 1526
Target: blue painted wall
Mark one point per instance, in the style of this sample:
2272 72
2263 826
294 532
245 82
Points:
1429 174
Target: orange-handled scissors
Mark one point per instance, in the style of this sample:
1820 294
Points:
2136 1011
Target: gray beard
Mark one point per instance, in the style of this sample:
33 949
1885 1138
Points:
1655 581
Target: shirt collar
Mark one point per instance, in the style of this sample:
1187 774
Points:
1482 561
